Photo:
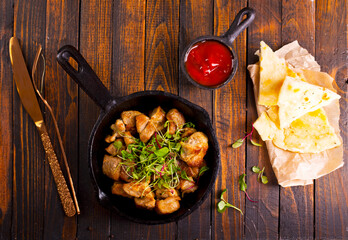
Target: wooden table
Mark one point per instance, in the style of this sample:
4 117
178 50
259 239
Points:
135 46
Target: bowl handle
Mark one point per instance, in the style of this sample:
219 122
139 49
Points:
238 25
84 76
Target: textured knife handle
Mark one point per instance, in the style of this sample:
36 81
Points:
62 187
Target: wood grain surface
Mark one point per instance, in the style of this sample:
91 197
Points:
297 203
331 193
196 19
135 46
262 218
6 123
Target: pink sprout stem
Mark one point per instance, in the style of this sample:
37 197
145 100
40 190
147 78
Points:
159 146
249 134
249 197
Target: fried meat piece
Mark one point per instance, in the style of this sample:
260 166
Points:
111 167
147 133
147 202
176 119
168 205
137 189
118 129
113 150
117 189
128 118
194 149
188 132
163 193
124 175
128 138
187 186
141 121
158 118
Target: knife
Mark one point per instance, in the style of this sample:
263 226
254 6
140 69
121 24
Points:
27 95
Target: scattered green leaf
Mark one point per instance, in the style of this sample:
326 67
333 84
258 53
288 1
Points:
118 145
202 170
255 143
162 152
238 143
223 204
255 169
260 177
242 184
264 179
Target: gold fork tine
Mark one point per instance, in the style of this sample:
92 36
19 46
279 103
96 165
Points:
38 54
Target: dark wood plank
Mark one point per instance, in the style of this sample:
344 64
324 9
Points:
29 158
161 51
128 77
331 194
96 47
297 203
6 87
62 24
161 68
261 219
196 19
229 118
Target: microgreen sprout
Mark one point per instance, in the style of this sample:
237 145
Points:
240 141
243 187
157 160
260 177
223 204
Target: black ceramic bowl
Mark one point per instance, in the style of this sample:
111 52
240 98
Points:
144 102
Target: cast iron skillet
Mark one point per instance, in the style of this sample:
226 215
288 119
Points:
145 101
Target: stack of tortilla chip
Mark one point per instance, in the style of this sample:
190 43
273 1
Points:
293 98
295 120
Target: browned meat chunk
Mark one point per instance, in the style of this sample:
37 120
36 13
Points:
188 132
118 129
176 120
117 188
147 133
167 205
190 171
115 147
158 118
194 149
137 189
128 118
124 175
187 186
163 193
141 121
111 167
128 138
147 202
118 126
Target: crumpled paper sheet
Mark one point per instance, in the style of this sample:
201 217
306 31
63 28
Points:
296 169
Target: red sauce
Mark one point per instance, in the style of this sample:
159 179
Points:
209 63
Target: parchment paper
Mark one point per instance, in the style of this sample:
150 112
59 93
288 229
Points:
294 169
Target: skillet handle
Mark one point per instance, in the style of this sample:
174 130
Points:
84 76
238 25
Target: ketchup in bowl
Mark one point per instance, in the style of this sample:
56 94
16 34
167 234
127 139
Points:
209 63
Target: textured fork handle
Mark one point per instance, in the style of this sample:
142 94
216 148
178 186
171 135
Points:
62 187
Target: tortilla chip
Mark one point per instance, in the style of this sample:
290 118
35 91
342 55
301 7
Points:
265 127
273 71
310 133
296 98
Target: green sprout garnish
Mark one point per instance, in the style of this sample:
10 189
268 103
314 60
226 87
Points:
156 160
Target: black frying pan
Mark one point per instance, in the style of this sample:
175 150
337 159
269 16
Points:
144 102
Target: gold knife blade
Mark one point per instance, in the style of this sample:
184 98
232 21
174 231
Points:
23 83
28 97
